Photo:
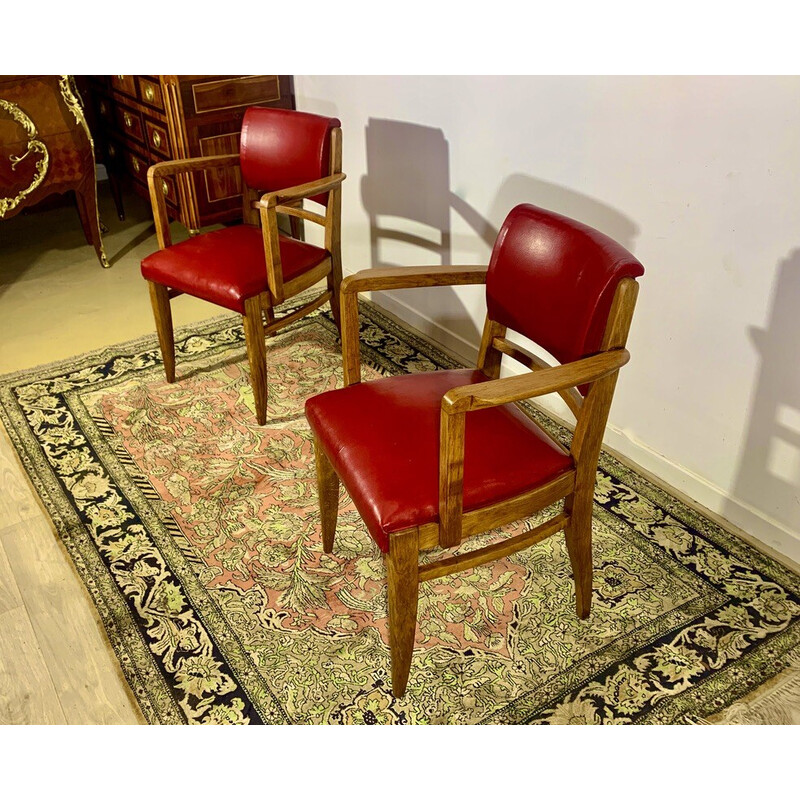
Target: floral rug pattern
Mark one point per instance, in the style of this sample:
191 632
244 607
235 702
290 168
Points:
197 534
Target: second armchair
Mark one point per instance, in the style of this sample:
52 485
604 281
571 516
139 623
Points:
285 157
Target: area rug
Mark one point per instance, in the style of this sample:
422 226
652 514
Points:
197 535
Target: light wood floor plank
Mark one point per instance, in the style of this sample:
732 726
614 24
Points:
27 694
84 670
18 501
10 597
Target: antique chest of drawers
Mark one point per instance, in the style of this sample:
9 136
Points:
46 149
141 119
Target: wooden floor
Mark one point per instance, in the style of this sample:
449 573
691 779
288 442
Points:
56 301
56 665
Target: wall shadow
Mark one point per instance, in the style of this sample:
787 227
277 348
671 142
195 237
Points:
768 475
519 188
406 194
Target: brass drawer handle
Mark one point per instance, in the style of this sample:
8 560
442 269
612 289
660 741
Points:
149 94
128 119
103 109
164 187
121 77
112 150
156 138
136 165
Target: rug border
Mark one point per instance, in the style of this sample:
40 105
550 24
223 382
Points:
722 537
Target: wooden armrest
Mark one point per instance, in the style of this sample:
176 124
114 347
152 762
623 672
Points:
292 193
458 401
372 280
522 387
375 280
191 165
157 200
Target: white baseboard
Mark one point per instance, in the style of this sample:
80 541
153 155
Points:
741 518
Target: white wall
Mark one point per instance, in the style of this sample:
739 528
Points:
698 177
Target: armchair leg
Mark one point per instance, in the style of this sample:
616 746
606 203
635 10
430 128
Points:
159 298
402 566
579 546
257 355
269 312
328 494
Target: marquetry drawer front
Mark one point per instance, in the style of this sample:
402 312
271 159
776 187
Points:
157 138
169 190
150 93
125 83
130 123
235 93
137 165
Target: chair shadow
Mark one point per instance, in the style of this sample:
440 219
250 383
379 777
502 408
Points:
406 194
768 474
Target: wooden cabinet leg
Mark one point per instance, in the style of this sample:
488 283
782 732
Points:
159 299
328 494
115 185
578 535
256 354
402 566
86 196
334 282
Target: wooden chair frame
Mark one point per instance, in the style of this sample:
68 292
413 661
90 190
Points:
263 210
575 487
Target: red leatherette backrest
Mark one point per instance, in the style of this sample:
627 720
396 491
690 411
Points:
553 279
281 148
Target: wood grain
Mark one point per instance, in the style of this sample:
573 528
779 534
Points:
489 357
81 665
451 477
27 694
374 280
328 495
402 568
10 597
162 313
572 397
256 355
523 387
507 547
17 500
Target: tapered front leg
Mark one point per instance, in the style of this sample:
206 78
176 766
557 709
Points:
86 198
159 299
328 494
257 355
578 534
402 567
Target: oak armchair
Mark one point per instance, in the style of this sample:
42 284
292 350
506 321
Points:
432 458
285 157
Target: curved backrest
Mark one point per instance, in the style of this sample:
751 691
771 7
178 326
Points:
553 279
281 148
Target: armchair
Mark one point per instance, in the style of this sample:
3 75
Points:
432 458
285 157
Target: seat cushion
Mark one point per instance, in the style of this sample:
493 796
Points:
228 265
382 437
